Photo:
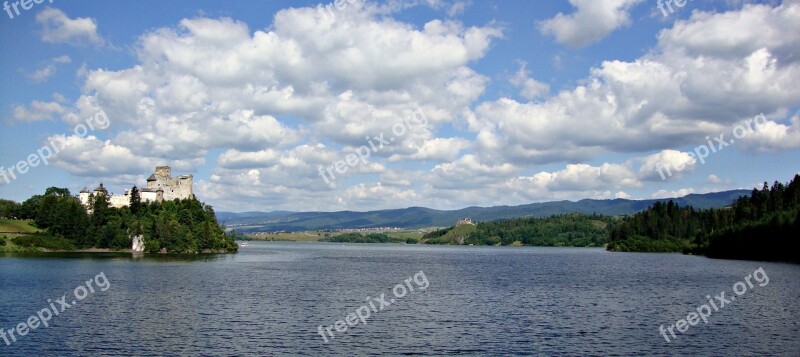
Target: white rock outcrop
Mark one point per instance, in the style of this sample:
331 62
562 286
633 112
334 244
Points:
138 244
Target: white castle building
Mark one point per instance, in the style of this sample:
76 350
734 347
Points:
160 186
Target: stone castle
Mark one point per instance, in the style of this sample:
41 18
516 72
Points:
464 221
161 186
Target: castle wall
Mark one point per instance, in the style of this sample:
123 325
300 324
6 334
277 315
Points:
119 201
148 196
84 197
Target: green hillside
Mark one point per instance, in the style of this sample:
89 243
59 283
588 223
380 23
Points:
455 235
16 226
572 230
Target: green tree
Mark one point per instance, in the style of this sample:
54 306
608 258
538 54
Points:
135 200
8 208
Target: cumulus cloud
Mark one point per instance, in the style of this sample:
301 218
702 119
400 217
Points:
675 95
39 110
267 109
667 165
773 136
458 7
592 21
42 74
672 194
294 97
529 87
57 27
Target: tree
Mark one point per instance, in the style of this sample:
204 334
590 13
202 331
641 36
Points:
135 201
57 191
8 208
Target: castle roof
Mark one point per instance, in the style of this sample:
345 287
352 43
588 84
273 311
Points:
100 188
85 190
152 178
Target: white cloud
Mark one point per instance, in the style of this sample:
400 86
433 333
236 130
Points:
458 7
39 111
675 95
583 177
57 27
91 157
773 136
269 98
592 21
268 108
42 74
530 88
672 194
667 165
438 149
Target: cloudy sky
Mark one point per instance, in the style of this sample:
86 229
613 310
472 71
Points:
450 103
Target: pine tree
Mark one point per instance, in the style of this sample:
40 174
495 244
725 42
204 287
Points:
135 201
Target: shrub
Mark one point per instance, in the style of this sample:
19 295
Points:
43 241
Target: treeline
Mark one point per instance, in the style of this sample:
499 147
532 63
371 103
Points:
368 238
572 230
180 226
763 226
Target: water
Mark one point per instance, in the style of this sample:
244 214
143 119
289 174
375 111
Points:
271 297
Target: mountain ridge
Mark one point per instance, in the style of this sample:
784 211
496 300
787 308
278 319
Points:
419 217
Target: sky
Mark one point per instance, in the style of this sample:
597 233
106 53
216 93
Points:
366 104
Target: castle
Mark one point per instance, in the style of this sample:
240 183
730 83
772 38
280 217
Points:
160 186
465 221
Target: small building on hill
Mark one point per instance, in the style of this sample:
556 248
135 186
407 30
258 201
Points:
465 221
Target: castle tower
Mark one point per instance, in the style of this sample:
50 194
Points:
163 172
100 190
84 196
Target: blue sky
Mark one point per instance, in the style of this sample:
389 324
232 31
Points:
267 103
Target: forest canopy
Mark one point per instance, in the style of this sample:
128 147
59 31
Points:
762 226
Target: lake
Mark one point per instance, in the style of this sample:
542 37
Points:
282 298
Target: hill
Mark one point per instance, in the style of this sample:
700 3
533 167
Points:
761 226
420 217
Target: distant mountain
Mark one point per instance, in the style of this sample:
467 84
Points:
419 217
231 216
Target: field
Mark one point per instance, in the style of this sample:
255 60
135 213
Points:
16 226
10 229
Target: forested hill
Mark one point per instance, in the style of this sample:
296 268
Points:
764 225
572 230
180 226
419 217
